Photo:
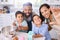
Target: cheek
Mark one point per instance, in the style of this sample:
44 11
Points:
22 18
44 14
17 19
39 20
30 11
25 12
48 15
35 21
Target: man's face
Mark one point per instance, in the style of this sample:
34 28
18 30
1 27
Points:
27 10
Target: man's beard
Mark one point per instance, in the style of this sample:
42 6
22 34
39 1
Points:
28 15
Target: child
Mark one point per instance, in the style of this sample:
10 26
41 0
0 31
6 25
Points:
20 23
39 29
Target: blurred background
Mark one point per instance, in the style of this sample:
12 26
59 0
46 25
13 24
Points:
14 5
7 17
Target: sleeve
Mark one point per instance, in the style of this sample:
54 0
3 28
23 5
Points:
24 23
33 27
44 29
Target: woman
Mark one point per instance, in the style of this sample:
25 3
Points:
47 15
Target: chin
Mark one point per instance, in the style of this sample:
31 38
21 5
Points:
46 17
38 23
27 15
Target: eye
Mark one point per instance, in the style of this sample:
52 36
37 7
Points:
19 17
45 10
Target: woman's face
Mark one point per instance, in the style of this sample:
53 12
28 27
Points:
37 20
45 11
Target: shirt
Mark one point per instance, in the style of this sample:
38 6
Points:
43 30
23 24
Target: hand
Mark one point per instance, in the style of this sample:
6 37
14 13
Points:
37 36
11 33
52 23
20 28
15 38
14 24
56 14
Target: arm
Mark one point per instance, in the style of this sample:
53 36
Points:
25 28
37 36
56 14
22 28
53 23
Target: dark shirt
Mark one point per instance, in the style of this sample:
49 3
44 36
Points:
29 19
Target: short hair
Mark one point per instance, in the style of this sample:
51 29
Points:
19 12
27 4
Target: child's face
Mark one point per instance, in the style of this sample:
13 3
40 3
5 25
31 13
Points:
19 17
37 20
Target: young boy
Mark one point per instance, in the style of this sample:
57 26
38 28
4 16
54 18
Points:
20 23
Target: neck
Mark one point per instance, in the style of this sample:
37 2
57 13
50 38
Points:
19 22
38 25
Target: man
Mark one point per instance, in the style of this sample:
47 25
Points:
27 9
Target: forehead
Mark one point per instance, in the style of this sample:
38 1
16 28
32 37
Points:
19 14
44 8
35 17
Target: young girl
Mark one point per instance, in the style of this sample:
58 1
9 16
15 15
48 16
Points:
20 23
39 29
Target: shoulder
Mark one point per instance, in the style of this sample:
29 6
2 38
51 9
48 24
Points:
24 21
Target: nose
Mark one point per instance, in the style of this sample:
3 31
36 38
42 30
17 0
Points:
20 17
27 11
